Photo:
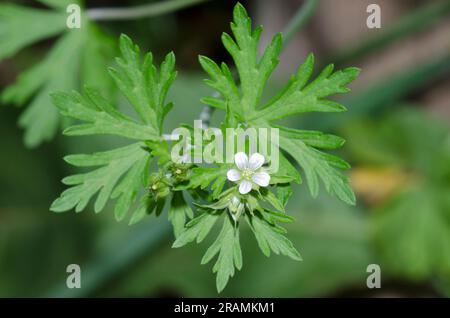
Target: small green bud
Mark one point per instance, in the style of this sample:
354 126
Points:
236 207
179 171
159 186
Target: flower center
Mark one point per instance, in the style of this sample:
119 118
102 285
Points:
247 173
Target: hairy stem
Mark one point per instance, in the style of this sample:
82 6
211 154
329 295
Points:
139 12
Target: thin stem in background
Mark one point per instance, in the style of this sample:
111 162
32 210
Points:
299 20
412 23
139 12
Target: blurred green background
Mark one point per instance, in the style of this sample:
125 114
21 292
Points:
398 142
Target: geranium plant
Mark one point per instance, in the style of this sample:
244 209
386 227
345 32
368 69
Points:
144 177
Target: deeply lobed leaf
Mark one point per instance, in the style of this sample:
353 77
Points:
100 117
123 173
145 88
300 95
317 164
253 72
229 252
129 163
178 212
78 54
22 26
270 237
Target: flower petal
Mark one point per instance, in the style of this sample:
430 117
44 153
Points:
261 178
241 160
233 175
256 161
245 187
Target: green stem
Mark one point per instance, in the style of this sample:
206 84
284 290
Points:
301 17
398 86
412 23
139 12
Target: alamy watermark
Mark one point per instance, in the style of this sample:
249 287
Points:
74 278
374 19
374 279
213 145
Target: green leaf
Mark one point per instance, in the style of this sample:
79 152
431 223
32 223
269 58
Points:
21 26
79 51
300 97
286 169
147 206
268 196
202 177
159 149
335 246
156 207
222 81
123 173
130 162
253 72
145 88
58 71
100 117
270 237
197 229
272 217
129 187
98 51
317 165
142 210
313 138
230 256
284 192
179 210
221 204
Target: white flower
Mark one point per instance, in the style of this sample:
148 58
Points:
249 172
